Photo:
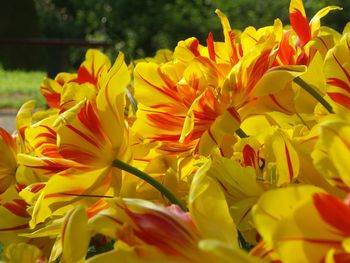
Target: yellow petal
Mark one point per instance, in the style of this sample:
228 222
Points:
286 158
276 79
314 226
111 101
8 163
24 253
268 212
224 124
62 191
331 151
315 21
14 217
72 93
225 253
299 21
209 210
337 70
90 69
241 190
75 236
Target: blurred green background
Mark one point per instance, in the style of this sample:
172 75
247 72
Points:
136 27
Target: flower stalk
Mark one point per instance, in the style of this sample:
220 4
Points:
142 175
241 134
313 93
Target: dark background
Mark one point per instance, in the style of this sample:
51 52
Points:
138 28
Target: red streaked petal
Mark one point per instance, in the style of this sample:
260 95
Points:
211 49
339 83
249 156
166 229
340 98
194 47
299 21
333 212
88 117
7 138
17 207
65 193
289 163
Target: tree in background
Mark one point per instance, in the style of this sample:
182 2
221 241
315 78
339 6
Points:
338 20
139 28
18 19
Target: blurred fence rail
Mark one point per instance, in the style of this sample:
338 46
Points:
55 48
53 42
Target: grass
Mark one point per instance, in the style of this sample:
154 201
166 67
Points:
17 87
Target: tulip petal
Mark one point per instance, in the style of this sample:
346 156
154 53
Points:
75 236
209 210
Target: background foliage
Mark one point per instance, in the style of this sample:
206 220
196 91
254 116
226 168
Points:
139 28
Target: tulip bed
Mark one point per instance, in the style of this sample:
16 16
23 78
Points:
233 151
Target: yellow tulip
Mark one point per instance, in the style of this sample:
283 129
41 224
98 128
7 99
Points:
305 222
24 253
82 141
331 151
338 74
67 88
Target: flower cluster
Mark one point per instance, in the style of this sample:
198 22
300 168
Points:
232 151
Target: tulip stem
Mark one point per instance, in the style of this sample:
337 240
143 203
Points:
313 93
241 134
132 99
244 244
130 169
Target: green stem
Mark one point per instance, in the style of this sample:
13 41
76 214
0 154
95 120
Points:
130 169
302 120
313 93
131 98
241 134
244 244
